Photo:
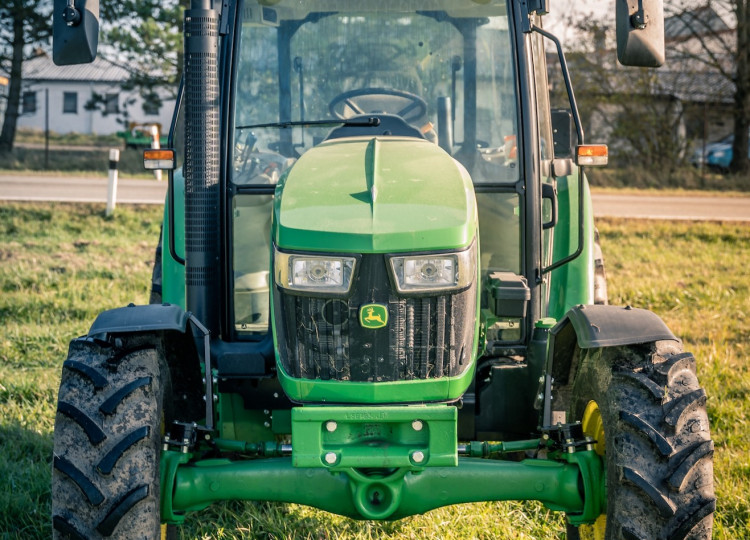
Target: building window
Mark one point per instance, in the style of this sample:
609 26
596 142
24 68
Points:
29 102
111 104
151 104
70 102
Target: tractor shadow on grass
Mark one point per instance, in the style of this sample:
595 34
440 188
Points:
25 474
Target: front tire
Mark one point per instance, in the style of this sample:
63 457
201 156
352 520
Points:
647 405
107 440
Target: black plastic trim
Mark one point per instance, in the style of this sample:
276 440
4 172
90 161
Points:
170 176
613 326
148 318
241 359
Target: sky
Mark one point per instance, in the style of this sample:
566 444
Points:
560 10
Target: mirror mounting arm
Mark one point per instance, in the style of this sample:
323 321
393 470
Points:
579 132
71 15
638 19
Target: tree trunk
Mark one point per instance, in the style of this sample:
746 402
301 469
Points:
740 162
8 134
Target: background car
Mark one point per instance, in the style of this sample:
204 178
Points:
718 155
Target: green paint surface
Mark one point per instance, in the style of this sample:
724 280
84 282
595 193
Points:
363 195
573 283
173 273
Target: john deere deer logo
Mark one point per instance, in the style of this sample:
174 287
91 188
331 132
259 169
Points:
373 316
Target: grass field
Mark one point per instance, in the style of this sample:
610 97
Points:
70 161
60 265
70 153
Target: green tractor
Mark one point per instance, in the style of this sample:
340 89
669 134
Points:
380 290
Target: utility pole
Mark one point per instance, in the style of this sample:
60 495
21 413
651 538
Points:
46 128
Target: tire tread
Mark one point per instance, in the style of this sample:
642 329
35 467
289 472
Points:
105 476
650 431
658 446
693 520
666 507
120 508
688 462
63 526
109 461
110 405
656 390
88 425
683 405
97 379
87 487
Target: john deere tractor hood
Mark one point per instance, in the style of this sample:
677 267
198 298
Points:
364 194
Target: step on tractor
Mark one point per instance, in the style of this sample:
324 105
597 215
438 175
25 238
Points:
378 289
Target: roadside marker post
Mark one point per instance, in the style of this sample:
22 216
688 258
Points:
114 158
156 145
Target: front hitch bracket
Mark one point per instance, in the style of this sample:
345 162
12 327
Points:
381 463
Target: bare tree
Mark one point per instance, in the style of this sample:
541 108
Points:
145 37
23 23
638 111
714 35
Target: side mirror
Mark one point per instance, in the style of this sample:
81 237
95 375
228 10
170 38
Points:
75 31
640 32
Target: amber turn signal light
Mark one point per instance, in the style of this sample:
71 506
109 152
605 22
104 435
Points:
158 158
596 155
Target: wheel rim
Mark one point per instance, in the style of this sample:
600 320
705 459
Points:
593 427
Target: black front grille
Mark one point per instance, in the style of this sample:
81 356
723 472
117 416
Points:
426 337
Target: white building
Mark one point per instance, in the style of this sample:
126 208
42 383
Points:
67 91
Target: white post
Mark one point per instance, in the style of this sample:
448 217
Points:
114 157
155 144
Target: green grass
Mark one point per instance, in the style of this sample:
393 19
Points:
83 155
82 162
36 136
60 265
695 276
629 176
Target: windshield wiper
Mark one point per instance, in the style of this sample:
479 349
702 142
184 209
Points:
372 121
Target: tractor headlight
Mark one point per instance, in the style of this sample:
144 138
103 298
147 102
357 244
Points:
434 272
314 273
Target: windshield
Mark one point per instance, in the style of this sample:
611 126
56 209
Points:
311 71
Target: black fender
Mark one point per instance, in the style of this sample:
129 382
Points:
591 327
598 326
141 319
231 359
167 326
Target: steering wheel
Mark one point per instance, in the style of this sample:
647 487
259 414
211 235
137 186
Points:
361 101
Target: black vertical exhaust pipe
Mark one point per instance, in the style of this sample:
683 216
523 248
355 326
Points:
201 166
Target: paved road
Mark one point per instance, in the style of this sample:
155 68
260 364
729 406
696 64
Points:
66 189
672 207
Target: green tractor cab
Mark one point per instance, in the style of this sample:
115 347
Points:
380 290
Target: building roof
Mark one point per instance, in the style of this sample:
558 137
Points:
703 21
706 87
700 87
41 68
